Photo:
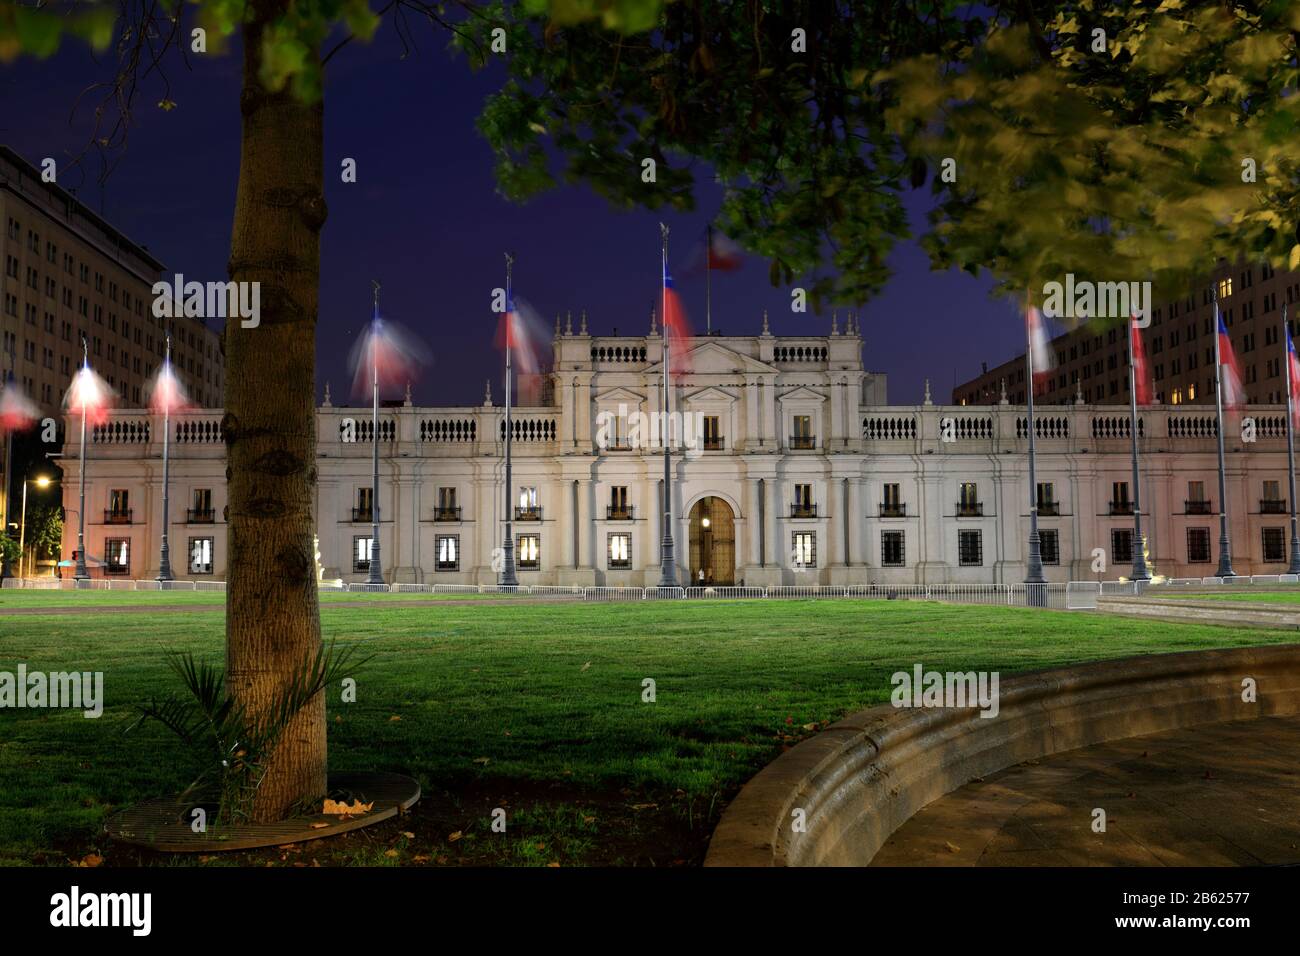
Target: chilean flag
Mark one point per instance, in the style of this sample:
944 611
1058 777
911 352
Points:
1293 363
677 329
1234 395
1141 374
1039 351
722 255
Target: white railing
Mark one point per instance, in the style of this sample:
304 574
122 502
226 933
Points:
1073 596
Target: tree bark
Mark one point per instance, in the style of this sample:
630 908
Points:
272 611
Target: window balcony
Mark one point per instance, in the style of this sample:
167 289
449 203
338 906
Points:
798 510
1198 507
803 442
1049 509
200 516
363 514
620 513
1121 508
893 511
715 444
447 513
1272 506
118 516
530 513
970 509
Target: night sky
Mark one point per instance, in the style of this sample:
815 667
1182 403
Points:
425 220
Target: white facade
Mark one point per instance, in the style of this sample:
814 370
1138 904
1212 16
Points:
801 515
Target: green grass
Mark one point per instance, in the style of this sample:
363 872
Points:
483 698
1231 592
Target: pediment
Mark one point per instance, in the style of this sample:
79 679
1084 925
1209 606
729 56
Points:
710 396
619 396
712 358
802 394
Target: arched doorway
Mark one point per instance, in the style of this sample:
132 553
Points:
713 543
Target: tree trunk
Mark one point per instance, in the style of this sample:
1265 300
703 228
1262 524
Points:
272 614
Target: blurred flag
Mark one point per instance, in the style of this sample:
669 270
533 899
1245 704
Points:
1234 395
1293 363
524 332
721 254
389 352
17 411
89 394
1039 350
167 394
1141 375
677 329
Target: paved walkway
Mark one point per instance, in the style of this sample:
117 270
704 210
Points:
1219 795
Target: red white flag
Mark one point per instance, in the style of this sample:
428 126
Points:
1141 373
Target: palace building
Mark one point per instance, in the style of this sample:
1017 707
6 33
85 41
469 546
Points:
801 473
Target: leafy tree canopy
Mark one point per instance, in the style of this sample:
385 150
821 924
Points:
1118 141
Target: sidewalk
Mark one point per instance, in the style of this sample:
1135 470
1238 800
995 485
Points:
1218 795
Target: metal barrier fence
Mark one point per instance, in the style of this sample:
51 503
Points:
1073 596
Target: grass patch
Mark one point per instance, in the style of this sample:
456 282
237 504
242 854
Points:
1238 593
534 706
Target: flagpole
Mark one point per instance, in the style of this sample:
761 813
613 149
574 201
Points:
1294 567
668 573
5 570
1225 545
1034 575
164 561
508 578
708 278
1140 572
81 573
376 575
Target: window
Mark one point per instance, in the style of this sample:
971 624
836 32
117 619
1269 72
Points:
1121 546
968 499
618 506
200 555
119 505
804 550
970 548
117 556
892 504
803 435
361 553
620 552
712 433
527 509
892 549
1119 503
1198 545
1046 500
447 550
364 511
529 551
1274 545
1049 546
448 510
802 506
202 510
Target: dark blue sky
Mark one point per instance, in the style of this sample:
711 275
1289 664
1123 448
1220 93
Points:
424 218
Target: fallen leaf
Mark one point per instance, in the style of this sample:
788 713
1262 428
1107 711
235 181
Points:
481 760
586 665
390 853
588 819
644 806
541 846
91 860
549 865
951 847
453 837
408 834
319 826
809 726
336 808
393 719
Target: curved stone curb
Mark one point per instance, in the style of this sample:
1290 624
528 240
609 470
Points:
862 778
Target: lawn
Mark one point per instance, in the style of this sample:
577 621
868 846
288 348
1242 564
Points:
536 708
1233 592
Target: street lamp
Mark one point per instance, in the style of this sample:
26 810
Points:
43 481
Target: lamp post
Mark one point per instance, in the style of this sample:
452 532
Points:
1294 566
1140 571
164 560
81 574
508 578
1034 577
1225 545
668 570
41 482
376 575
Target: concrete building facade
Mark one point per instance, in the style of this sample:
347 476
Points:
798 472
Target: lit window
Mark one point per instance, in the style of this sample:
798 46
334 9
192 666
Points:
805 550
620 551
448 553
361 553
117 556
200 555
529 551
